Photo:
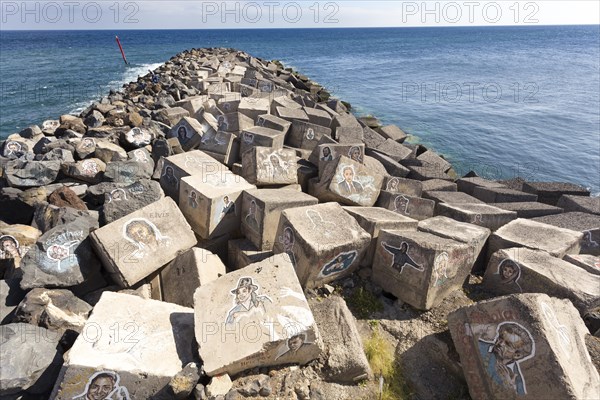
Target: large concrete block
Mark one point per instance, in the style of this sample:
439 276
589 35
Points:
253 107
189 132
501 195
392 167
419 268
392 132
527 346
397 185
130 348
550 192
187 272
375 219
479 214
329 152
580 203
261 137
521 270
473 235
468 185
410 206
451 197
529 209
349 182
219 145
266 166
305 135
588 224
536 235
133 247
291 114
274 122
211 203
586 261
261 210
318 117
439 185
323 242
255 317
181 165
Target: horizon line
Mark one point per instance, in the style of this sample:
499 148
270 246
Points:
298 28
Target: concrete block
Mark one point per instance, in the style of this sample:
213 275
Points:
392 132
410 206
133 247
241 253
550 192
154 341
375 219
261 210
323 242
305 135
468 185
419 268
580 203
502 195
211 203
588 224
397 185
273 122
522 270
189 132
536 235
529 209
586 261
187 272
255 317
259 136
439 185
524 346
266 166
479 214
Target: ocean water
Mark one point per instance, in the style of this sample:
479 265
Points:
503 101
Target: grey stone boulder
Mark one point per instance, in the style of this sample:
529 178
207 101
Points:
27 174
107 152
11 295
123 201
95 119
48 216
56 309
62 257
90 170
127 172
31 359
343 349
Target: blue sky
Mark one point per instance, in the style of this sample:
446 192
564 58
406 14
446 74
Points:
192 14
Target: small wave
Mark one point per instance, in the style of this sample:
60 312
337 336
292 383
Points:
130 75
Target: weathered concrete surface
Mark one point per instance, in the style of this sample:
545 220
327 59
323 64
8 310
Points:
212 203
261 210
181 165
123 201
588 224
349 182
439 185
373 220
255 316
450 197
550 192
397 185
529 209
31 358
261 137
501 195
410 206
527 346
586 261
468 185
473 235
478 214
344 354
242 252
580 203
536 235
189 132
133 247
521 270
187 272
323 242
265 166
419 268
11 295
155 341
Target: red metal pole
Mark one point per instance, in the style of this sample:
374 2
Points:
121 48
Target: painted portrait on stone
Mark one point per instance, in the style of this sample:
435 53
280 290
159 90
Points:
9 247
144 236
251 219
338 264
170 178
509 273
104 385
288 240
441 272
247 301
502 348
401 258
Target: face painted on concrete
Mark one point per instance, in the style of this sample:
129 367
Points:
510 346
100 388
295 342
348 174
242 294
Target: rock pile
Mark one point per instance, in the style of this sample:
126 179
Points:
197 235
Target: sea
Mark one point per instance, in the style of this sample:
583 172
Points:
500 101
